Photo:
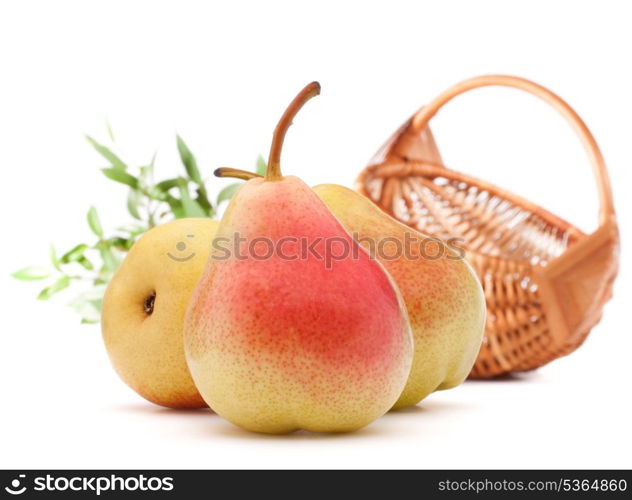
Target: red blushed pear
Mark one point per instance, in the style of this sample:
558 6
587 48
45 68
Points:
293 325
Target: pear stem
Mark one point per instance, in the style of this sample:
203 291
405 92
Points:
273 171
236 173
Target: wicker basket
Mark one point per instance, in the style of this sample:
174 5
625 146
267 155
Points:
545 281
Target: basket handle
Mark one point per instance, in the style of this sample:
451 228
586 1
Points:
421 118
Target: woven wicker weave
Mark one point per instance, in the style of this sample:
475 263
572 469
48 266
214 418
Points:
545 281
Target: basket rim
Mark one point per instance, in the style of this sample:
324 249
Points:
438 170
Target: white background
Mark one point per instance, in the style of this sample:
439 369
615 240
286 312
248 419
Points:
221 76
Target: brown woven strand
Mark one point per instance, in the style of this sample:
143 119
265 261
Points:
545 281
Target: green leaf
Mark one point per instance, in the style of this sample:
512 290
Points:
111 261
54 260
228 192
121 176
167 184
94 222
154 194
31 273
176 207
133 203
75 254
261 166
132 229
56 287
147 171
202 200
114 160
191 207
85 263
109 129
193 172
188 160
121 243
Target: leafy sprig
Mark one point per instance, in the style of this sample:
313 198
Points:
149 203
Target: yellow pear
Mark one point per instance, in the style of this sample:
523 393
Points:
144 308
444 298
